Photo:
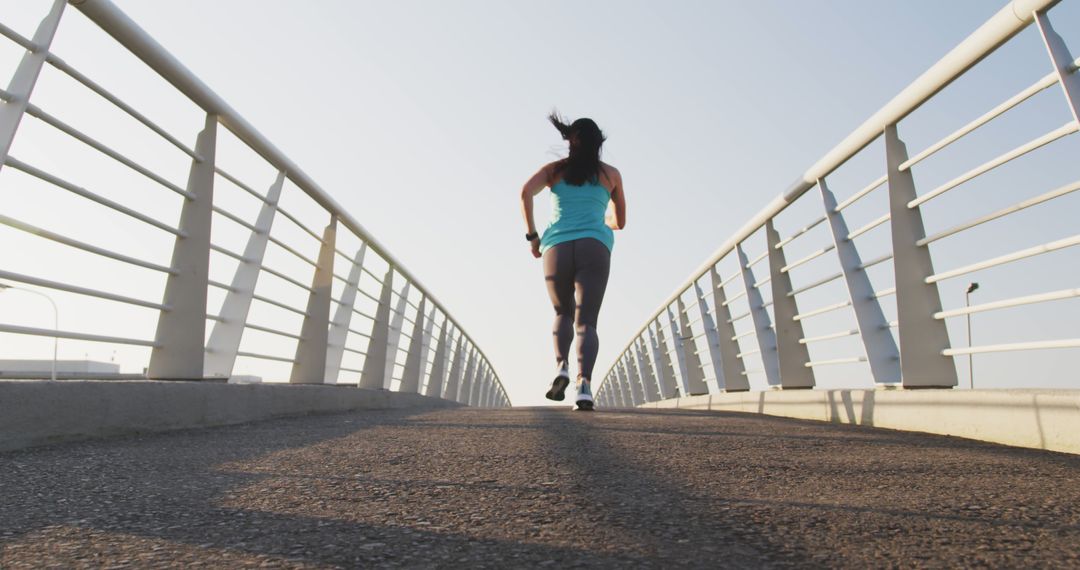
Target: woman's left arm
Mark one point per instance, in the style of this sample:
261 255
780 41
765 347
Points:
534 186
618 198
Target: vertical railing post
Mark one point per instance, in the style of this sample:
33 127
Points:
628 391
881 351
339 327
425 347
485 388
373 375
467 378
629 395
478 394
922 337
695 374
488 388
397 322
227 333
708 328
636 389
453 381
635 375
25 77
793 355
763 329
619 391
731 370
489 384
181 327
468 398
661 362
438 366
679 368
414 369
309 366
1062 60
652 391
481 387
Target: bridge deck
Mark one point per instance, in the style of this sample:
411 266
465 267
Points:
538 487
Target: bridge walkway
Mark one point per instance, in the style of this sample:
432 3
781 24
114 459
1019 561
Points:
538 488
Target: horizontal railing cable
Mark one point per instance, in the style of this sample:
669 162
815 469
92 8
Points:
32 331
1008 258
48 284
1060 132
105 94
34 111
239 184
1057 193
1047 81
80 191
71 242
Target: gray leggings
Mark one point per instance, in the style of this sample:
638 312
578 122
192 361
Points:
579 266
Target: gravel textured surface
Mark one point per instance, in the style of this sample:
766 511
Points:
538 488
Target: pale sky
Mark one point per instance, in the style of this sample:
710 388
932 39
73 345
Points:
423 119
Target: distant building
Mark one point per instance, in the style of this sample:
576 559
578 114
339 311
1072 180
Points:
34 369
245 379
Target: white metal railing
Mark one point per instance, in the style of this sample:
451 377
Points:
382 329
911 350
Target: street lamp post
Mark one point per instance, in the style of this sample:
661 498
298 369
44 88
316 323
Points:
971 362
56 319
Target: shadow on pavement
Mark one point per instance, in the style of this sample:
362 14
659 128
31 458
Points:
233 496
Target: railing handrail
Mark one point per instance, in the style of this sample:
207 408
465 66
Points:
130 35
1003 25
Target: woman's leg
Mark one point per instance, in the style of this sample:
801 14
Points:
593 262
559 274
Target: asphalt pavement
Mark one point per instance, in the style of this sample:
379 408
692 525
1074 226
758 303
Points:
547 488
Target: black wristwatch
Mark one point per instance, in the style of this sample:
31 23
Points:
532 236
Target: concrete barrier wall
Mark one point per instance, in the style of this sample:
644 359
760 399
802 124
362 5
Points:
36 413
1040 419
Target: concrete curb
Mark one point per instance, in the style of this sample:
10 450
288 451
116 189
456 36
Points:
41 412
1038 419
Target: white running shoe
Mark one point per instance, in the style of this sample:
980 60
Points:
584 395
558 386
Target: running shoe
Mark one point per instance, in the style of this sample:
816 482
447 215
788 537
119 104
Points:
584 395
558 386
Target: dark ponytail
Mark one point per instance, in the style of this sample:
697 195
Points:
586 139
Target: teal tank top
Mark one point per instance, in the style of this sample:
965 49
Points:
577 212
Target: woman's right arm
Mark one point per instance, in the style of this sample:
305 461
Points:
532 187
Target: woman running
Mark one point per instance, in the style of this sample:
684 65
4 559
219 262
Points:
576 246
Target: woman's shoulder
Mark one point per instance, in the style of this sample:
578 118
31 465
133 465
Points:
554 165
611 174
551 171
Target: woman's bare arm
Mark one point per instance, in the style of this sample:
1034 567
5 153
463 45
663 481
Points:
534 186
617 219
